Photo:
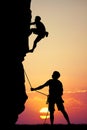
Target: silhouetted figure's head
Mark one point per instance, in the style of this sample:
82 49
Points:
55 75
37 18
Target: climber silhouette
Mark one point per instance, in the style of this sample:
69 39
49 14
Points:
55 96
40 31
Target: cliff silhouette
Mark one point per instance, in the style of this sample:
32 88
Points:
15 25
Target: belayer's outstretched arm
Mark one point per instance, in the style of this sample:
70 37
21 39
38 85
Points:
40 87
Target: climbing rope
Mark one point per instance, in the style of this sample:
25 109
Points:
31 85
38 92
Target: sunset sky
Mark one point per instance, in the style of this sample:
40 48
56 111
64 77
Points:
64 50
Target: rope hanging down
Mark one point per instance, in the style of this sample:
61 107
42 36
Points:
38 92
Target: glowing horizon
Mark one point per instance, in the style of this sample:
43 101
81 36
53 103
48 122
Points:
75 104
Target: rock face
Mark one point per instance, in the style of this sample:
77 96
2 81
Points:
15 25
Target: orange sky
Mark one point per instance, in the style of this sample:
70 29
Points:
65 50
75 104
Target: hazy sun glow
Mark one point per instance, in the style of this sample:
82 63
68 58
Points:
44 113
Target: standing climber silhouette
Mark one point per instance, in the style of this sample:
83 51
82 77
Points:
55 96
40 31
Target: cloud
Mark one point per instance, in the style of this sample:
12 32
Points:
76 91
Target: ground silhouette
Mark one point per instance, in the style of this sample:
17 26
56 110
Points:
54 127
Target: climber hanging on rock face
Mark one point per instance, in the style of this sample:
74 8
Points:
40 31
